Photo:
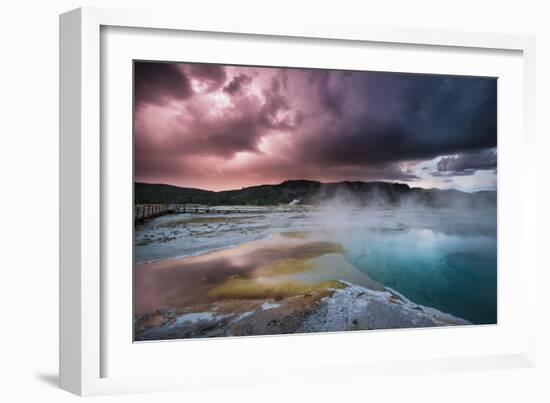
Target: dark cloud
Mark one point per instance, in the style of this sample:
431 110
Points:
274 103
391 117
213 75
330 94
158 83
386 172
467 163
192 135
466 172
237 83
218 136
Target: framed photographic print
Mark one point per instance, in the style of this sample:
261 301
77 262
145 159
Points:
260 194
277 200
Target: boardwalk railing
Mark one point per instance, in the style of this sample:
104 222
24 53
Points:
145 212
191 208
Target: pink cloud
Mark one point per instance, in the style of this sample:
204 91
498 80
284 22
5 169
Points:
221 127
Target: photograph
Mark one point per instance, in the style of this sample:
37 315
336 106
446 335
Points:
275 200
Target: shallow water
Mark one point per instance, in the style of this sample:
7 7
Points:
445 259
182 235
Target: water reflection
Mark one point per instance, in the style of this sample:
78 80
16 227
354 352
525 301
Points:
444 258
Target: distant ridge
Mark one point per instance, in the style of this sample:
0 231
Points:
313 192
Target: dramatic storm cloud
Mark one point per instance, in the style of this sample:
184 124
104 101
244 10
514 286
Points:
221 127
467 163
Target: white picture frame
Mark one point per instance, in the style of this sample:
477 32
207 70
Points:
85 346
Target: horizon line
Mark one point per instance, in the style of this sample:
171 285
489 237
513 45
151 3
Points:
311 180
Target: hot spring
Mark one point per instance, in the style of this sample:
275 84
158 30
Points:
441 258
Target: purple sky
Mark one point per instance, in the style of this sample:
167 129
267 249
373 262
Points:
225 127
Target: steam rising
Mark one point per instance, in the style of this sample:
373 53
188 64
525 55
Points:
342 211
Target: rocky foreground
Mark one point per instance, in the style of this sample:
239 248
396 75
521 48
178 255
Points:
351 307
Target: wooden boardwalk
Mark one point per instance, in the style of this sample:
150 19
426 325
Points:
146 212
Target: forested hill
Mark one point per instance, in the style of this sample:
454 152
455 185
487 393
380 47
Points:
312 192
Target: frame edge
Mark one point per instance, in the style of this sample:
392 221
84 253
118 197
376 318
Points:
79 73
70 118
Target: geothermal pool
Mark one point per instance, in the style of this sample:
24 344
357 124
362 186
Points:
441 258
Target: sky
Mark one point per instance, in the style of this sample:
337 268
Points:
219 127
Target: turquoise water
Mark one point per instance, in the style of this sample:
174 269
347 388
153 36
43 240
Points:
455 273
